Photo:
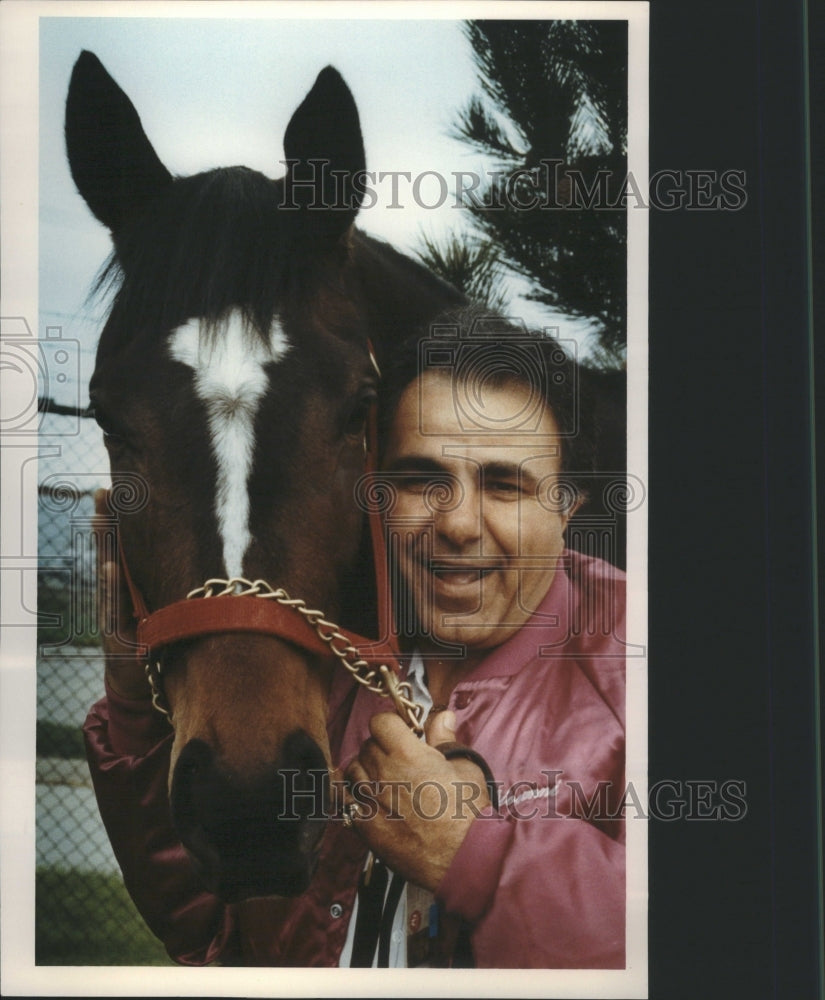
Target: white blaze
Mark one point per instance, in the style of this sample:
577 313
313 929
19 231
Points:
231 380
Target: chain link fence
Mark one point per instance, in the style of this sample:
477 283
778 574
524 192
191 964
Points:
83 915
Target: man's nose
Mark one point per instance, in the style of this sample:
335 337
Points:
460 523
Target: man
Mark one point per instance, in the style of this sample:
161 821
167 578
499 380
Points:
513 644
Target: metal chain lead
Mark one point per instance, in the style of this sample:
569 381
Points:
381 680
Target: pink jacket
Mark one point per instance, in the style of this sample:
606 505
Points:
541 881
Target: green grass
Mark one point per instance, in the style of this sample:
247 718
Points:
86 918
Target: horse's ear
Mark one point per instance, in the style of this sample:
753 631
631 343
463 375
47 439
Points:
111 160
324 155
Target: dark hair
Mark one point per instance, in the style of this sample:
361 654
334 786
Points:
474 346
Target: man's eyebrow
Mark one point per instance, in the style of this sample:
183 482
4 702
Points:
416 463
508 470
425 466
500 470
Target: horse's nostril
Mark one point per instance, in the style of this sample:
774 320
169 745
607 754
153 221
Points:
196 756
300 752
191 770
305 777
252 836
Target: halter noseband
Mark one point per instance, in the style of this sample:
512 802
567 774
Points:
239 605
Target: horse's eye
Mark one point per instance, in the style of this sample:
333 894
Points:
357 420
111 434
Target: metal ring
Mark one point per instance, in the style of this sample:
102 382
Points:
351 811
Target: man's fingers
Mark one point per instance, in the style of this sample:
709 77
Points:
356 780
114 601
101 498
371 758
440 728
391 733
354 774
107 574
102 525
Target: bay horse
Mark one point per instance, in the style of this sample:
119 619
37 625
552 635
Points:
234 376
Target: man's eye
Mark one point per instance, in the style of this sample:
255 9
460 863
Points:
413 484
504 486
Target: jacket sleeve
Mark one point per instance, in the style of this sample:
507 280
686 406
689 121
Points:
540 891
128 745
542 881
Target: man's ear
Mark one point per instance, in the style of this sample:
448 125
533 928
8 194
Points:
578 500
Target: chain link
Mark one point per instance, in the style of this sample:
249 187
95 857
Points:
381 680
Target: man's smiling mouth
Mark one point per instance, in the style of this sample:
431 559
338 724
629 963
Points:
459 577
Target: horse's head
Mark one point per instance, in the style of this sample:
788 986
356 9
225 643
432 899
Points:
234 376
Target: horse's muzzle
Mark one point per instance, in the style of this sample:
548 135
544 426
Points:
252 837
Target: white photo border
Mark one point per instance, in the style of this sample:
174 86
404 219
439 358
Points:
19 91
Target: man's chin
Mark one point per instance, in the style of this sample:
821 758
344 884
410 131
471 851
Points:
472 635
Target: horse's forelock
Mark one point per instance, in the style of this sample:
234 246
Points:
212 244
221 243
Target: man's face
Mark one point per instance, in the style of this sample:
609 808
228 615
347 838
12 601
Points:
478 565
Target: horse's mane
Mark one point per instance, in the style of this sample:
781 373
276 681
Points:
373 248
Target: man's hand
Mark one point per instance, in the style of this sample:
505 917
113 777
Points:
416 807
124 671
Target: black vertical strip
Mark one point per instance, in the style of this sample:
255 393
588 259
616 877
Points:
368 921
734 893
789 499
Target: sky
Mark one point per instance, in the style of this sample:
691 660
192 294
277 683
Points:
216 91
